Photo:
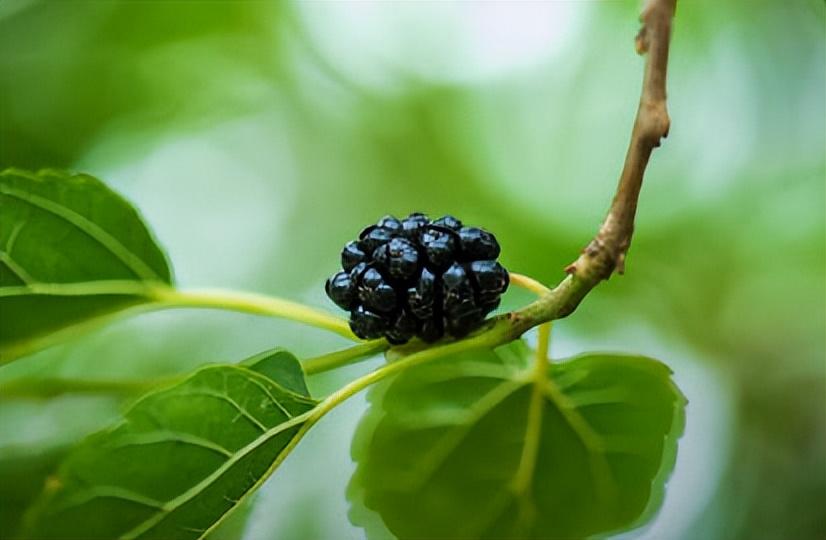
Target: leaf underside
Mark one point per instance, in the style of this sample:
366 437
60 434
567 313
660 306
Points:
71 250
181 459
455 450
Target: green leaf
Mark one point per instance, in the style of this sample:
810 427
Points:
280 366
483 446
178 463
71 250
22 476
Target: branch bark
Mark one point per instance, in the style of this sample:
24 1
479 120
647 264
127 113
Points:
606 252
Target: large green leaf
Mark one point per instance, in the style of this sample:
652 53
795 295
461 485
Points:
181 459
71 250
478 446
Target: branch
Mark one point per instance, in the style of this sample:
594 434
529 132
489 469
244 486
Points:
606 252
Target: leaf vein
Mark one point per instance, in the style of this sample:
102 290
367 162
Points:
88 227
271 397
108 492
227 399
159 437
195 490
16 268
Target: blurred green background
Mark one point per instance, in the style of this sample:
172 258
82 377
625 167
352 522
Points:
258 137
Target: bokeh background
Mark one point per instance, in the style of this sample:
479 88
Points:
258 137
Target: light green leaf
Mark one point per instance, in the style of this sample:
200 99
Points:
71 250
480 446
179 462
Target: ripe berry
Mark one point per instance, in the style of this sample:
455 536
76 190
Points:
449 222
375 293
412 225
489 278
399 257
477 244
455 282
402 329
351 255
357 272
341 290
366 324
416 277
422 297
373 237
432 330
390 224
439 247
464 320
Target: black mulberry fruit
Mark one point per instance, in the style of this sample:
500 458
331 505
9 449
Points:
417 277
352 255
399 257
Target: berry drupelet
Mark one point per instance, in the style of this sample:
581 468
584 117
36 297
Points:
417 277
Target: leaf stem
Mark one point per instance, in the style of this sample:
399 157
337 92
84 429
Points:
542 343
544 332
529 284
492 337
344 357
256 304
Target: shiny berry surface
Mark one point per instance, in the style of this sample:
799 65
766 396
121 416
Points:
449 222
489 278
352 255
399 257
375 293
341 290
414 277
373 237
477 244
439 246
413 224
422 297
366 324
402 328
391 225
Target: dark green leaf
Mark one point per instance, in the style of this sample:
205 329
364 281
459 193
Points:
282 367
22 478
481 447
71 250
181 459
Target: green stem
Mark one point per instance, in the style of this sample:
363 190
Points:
492 337
499 331
256 304
345 357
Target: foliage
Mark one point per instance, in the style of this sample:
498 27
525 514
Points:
256 139
73 250
181 459
484 429
482 451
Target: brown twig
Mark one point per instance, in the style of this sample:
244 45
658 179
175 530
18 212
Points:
606 252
